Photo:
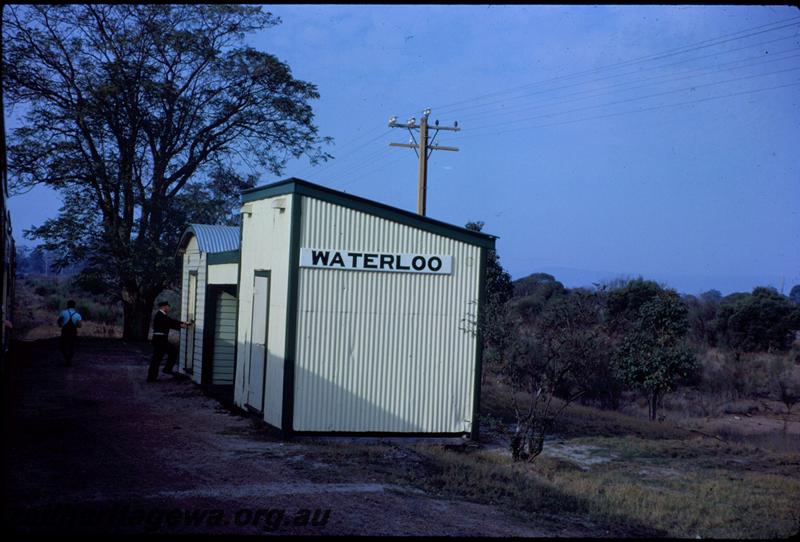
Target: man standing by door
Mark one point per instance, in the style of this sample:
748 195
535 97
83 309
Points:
161 345
69 321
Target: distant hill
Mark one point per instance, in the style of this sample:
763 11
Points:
687 284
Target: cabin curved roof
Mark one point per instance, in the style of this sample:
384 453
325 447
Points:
211 238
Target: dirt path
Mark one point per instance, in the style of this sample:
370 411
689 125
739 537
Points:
96 448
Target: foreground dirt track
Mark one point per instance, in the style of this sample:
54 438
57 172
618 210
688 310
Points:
95 448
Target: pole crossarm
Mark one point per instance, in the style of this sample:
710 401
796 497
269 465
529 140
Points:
415 146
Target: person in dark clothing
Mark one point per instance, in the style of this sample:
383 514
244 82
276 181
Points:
69 321
161 345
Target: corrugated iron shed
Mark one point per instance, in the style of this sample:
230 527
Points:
212 238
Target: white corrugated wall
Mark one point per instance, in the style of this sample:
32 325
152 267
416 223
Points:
199 324
265 246
387 352
193 260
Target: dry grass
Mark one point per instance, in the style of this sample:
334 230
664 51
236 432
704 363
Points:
480 476
651 487
89 329
689 487
656 479
39 300
579 420
738 485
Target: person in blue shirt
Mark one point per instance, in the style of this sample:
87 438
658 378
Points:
69 321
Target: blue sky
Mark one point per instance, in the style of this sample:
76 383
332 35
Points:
596 142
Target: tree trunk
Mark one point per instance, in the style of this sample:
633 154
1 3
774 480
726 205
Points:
137 311
653 405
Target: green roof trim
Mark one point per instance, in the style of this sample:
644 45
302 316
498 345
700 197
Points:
305 188
230 256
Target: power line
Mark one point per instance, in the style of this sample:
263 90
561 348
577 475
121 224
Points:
367 160
351 152
643 110
660 80
372 170
657 56
673 91
370 159
545 91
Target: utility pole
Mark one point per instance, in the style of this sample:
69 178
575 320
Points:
423 149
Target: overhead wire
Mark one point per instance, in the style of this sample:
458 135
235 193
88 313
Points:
636 72
584 96
656 56
365 173
366 163
732 65
642 110
351 149
367 159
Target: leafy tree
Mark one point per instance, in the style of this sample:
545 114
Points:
789 394
532 294
137 111
494 321
794 294
39 261
784 384
652 355
549 361
762 320
624 302
599 380
711 296
30 260
498 282
702 317
534 283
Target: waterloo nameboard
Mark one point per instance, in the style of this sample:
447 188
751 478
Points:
376 261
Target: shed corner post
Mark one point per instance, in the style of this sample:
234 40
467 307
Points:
287 410
238 295
476 401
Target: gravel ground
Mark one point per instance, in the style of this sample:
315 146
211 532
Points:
94 448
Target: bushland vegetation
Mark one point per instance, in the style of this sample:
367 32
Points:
39 298
634 345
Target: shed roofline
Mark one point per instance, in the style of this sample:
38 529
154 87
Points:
294 185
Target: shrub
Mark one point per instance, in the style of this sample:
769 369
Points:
763 320
653 356
44 290
55 302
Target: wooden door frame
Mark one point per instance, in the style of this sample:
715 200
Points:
191 329
268 274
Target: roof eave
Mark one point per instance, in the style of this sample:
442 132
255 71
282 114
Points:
294 185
